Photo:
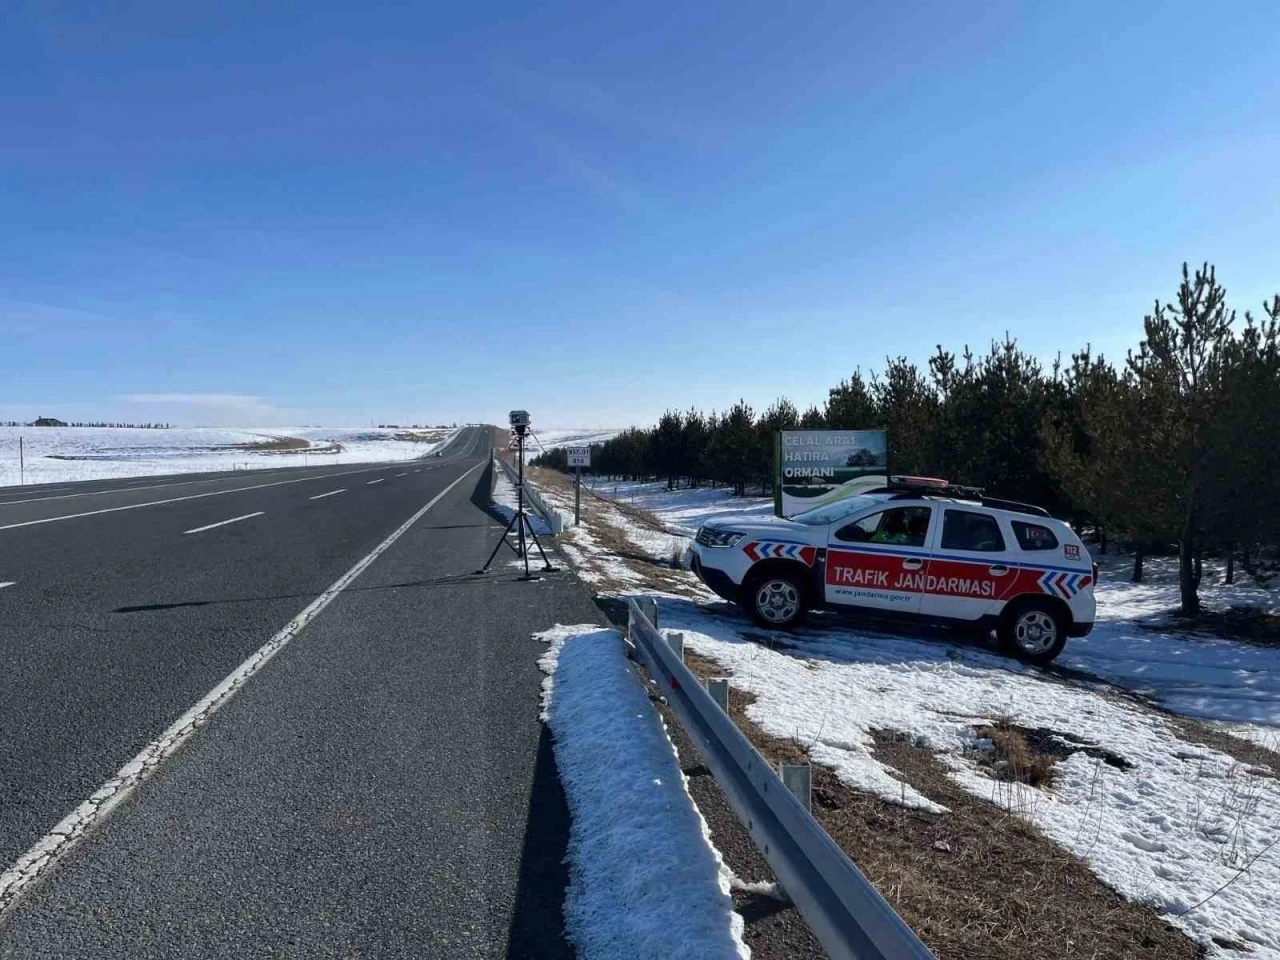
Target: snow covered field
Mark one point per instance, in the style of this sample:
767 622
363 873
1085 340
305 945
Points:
1168 822
61 454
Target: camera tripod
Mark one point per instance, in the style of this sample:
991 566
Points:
520 521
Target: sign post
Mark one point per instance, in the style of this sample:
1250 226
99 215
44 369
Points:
579 457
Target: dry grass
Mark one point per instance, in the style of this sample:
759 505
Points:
271 444
978 883
1009 754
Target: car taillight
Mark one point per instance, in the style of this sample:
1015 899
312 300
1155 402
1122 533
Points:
1095 572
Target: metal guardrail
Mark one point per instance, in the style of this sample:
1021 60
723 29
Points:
553 517
846 913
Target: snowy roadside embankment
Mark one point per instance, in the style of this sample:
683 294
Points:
1180 822
644 879
67 454
1164 820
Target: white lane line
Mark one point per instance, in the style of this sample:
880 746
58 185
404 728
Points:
372 482
194 496
321 496
71 830
10 583
402 474
223 523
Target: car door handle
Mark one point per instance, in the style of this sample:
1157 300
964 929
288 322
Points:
912 564
999 570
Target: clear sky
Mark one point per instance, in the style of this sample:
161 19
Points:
242 212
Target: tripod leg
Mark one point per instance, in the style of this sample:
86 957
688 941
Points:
524 547
498 546
545 562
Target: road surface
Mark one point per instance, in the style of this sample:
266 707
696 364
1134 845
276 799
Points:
381 787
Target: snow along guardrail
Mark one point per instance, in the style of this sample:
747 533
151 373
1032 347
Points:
553 517
846 913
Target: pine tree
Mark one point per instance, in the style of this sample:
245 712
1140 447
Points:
1179 372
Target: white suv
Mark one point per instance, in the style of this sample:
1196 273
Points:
928 551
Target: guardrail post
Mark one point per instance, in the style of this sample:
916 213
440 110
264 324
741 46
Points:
798 778
649 607
718 687
676 642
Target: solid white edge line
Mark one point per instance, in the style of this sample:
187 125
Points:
372 482
223 523
75 825
194 496
321 496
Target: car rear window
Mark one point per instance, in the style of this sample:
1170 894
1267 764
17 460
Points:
964 530
1033 536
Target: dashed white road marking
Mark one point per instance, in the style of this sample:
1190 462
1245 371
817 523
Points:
193 496
372 482
71 830
401 474
8 583
223 523
321 496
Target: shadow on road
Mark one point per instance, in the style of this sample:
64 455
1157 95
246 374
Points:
537 921
453 580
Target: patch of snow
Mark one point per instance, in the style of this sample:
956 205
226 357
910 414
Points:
645 880
681 511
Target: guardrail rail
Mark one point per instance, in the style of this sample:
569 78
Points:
846 913
552 516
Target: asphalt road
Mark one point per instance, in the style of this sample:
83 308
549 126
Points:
382 787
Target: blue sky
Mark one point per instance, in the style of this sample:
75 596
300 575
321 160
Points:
323 212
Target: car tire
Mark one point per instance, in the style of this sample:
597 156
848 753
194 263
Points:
777 599
1033 631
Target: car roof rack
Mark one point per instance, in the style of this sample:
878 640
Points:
907 491
1015 506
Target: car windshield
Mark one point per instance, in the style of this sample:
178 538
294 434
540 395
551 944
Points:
833 512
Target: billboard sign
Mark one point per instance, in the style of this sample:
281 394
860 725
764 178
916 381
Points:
579 456
815 467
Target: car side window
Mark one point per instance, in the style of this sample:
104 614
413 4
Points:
1033 536
906 526
966 530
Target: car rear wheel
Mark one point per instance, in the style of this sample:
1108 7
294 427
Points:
1033 631
776 600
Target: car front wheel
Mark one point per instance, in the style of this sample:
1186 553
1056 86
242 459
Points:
776 600
1033 631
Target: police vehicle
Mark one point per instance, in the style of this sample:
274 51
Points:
916 548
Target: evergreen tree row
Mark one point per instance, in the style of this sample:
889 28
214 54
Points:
1178 444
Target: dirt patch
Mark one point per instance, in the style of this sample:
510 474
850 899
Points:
978 883
270 444
420 436
1018 754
